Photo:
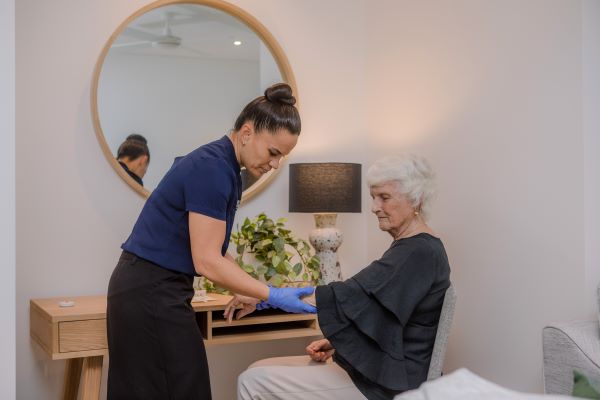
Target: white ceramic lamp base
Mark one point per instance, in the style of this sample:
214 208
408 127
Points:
326 239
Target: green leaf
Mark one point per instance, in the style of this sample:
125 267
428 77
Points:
297 268
281 269
284 267
240 248
276 281
248 268
305 276
275 261
261 270
279 244
266 242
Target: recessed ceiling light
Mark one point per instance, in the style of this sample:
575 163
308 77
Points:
237 43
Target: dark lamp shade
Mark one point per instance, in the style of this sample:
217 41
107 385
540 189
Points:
325 187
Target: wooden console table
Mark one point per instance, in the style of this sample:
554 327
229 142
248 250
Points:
78 334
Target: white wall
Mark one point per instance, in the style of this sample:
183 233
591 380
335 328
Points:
330 77
7 200
145 94
591 139
73 211
490 92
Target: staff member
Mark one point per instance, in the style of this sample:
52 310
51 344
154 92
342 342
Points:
156 349
134 156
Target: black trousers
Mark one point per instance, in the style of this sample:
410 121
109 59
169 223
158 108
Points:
155 346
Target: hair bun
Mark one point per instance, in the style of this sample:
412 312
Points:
280 93
136 137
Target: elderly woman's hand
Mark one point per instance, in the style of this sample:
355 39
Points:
320 350
248 306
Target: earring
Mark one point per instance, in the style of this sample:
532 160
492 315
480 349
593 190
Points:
416 213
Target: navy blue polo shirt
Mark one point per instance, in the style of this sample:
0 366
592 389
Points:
206 181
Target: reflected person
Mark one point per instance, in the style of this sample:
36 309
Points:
134 156
380 325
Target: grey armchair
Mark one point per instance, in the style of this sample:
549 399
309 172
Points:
569 346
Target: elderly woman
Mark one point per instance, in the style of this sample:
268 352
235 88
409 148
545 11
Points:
379 325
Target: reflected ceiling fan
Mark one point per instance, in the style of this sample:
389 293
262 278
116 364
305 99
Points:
167 40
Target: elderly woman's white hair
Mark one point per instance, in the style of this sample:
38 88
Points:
413 174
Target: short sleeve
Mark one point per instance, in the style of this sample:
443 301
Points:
207 188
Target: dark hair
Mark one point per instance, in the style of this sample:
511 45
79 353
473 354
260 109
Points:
133 147
138 137
273 111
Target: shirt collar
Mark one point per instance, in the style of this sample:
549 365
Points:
230 153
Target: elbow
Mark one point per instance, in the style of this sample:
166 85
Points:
205 266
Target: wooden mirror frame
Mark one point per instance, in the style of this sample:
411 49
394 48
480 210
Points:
262 32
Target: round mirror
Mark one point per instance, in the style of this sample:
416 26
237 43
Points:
179 74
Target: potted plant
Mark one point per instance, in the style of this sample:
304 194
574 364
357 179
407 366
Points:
266 249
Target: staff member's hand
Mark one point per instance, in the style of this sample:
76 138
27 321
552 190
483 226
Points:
248 306
288 299
320 350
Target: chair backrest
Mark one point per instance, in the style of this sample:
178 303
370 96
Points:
598 293
441 337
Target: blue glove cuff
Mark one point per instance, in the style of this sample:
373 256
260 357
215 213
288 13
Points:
263 305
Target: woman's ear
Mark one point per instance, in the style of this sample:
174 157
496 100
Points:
246 132
417 209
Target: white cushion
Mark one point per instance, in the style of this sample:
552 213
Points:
462 384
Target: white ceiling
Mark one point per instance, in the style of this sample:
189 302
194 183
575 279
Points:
205 33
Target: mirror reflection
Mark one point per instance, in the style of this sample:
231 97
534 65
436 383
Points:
176 78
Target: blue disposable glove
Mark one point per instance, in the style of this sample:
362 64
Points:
288 299
263 305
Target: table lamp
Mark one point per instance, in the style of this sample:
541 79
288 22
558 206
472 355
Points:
326 189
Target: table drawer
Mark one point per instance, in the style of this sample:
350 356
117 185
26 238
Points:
82 335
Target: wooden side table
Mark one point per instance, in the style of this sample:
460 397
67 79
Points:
78 334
